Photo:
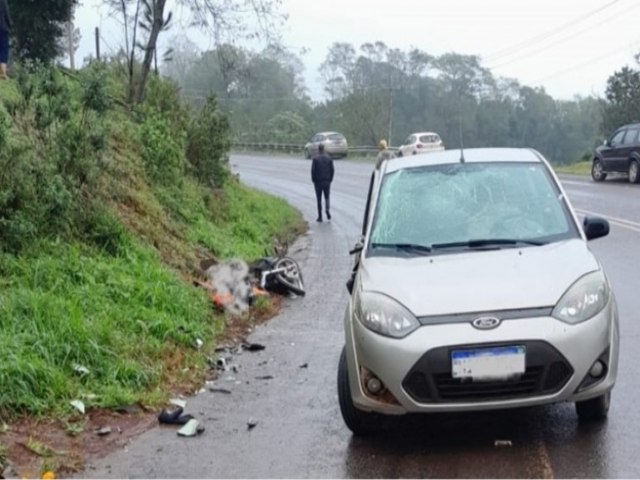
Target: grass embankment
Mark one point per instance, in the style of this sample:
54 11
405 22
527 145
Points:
110 292
578 168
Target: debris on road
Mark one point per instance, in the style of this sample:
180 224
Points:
304 365
178 402
78 405
103 431
219 390
502 443
252 347
251 424
174 417
265 377
191 429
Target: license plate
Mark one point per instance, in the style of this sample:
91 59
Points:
497 363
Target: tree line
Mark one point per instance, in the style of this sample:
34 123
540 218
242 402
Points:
375 91
372 91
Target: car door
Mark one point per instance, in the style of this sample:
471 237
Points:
629 141
407 147
359 246
611 154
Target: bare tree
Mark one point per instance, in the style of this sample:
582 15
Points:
226 20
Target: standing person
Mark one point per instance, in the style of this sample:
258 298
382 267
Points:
5 28
384 153
322 176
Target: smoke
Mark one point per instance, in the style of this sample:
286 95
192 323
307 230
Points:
231 282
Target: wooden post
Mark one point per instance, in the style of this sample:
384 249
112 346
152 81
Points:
98 43
70 44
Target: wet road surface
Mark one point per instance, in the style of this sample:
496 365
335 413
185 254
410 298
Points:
300 431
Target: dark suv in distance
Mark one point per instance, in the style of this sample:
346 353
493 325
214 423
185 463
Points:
619 154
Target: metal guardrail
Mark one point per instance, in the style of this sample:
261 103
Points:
291 147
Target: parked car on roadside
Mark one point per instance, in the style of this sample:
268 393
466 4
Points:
620 153
335 144
474 288
421 142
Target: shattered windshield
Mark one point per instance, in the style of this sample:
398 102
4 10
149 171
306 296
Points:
470 203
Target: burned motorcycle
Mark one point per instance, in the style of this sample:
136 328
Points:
279 274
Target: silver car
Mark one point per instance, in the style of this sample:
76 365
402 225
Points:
473 288
335 144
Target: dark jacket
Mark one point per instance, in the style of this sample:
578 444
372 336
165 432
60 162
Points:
322 169
5 18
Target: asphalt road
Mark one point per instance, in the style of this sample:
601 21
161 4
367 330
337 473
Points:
300 431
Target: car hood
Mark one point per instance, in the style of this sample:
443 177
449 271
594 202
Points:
480 281
600 148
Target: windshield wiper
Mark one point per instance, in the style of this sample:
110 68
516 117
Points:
487 242
404 247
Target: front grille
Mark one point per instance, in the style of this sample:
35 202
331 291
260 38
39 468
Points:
430 380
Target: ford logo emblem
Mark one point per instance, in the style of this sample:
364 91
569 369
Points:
486 323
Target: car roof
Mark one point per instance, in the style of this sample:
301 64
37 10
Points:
423 133
471 155
328 133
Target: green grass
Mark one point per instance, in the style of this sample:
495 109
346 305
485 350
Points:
120 317
126 311
578 168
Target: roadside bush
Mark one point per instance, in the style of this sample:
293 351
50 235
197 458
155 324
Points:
51 155
163 150
208 144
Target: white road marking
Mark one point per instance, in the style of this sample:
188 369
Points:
577 182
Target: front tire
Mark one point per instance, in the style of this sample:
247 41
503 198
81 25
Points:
594 408
307 154
597 171
359 422
634 172
291 278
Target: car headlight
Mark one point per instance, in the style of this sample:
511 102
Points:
584 299
383 315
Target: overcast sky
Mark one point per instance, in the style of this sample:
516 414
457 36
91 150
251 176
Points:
568 46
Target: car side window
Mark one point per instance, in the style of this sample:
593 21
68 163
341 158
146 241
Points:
631 138
617 138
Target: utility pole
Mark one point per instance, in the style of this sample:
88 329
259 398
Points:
70 44
98 43
70 39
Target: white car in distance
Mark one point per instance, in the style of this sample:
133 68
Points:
421 142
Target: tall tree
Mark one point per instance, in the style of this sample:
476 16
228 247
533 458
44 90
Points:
37 27
623 98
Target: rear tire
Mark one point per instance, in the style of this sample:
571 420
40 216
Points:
594 408
359 422
634 172
597 171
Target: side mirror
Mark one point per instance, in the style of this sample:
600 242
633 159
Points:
605 142
595 227
358 247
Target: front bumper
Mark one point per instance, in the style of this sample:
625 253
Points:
564 352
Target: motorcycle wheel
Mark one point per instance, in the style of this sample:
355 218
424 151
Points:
292 276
